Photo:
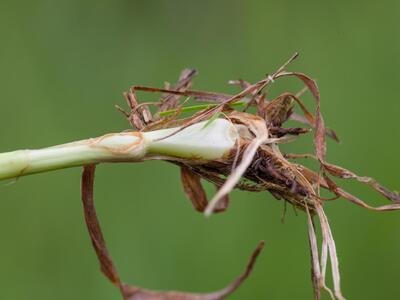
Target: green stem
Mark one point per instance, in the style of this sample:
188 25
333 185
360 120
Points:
194 142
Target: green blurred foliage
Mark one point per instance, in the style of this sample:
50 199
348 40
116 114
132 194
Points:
64 64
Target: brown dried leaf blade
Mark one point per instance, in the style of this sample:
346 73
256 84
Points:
320 132
343 173
93 226
109 270
194 190
342 193
169 101
133 293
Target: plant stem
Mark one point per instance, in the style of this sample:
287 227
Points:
194 142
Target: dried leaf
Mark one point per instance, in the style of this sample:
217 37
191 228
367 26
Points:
109 270
133 293
195 192
342 193
319 137
343 173
219 97
140 115
193 189
223 99
169 101
255 88
223 203
278 110
93 226
279 131
346 174
328 238
212 98
315 266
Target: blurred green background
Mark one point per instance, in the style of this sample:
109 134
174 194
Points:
63 66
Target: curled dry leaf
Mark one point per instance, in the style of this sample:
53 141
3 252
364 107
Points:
109 270
194 190
93 226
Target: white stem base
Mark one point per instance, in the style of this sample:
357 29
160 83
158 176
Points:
108 148
194 142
